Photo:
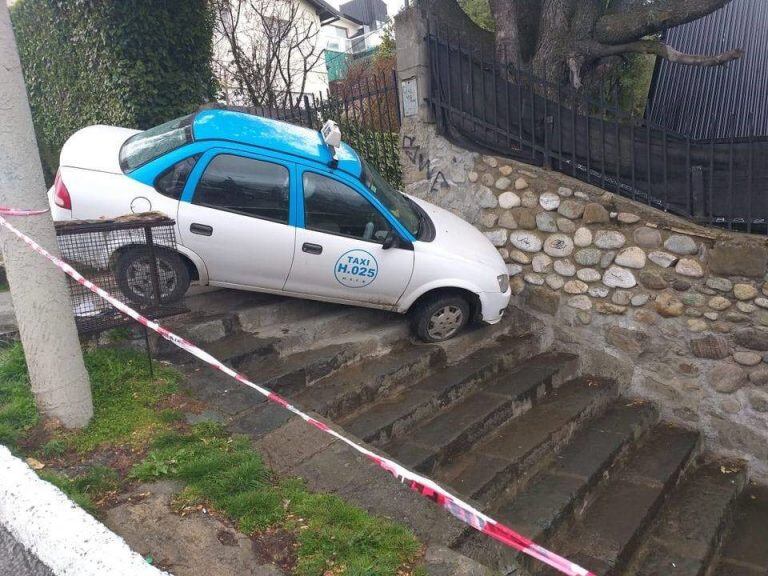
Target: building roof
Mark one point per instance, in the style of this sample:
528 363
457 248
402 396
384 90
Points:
720 101
272 135
325 11
367 12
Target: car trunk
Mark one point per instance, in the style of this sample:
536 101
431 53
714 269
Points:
95 148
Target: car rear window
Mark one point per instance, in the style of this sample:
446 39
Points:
153 143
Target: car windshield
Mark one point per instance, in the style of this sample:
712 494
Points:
153 143
394 201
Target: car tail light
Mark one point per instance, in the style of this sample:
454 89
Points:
60 193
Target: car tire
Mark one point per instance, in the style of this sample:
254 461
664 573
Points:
440 317
133 273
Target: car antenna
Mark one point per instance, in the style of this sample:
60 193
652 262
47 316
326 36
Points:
332 137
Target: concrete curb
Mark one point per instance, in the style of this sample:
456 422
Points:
60 534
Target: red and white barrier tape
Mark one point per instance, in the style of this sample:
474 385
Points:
420 484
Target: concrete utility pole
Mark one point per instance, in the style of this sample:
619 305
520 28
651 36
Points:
39 291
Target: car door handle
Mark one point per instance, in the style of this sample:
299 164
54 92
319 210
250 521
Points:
312 248
201 229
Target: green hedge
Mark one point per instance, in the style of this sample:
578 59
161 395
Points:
133 63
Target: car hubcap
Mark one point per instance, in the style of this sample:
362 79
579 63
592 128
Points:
140 278
445 322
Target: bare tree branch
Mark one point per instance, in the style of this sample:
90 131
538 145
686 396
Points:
641 20
665 51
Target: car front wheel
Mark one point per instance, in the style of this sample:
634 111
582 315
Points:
440 318
134 276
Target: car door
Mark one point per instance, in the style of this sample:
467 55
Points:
235 215
339 251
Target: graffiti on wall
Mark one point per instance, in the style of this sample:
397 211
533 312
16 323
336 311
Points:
418 159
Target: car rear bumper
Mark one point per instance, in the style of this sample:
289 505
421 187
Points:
493 305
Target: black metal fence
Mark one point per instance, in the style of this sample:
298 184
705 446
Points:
586 135
367 111
128 257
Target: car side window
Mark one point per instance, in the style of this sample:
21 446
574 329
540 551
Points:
245 186
171 182
335 208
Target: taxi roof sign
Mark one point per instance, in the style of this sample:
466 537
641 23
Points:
331 134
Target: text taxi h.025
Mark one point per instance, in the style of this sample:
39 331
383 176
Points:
267 206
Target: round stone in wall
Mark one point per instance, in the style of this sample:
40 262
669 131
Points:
719 303
595 213
587 256
689 267
509 200
534 279
572 209
505 170
639 299
473 176
744 291
503 183
549 201
621 297
719 284
598 291
575 287
497 237
583 237
588 275
747 358
609 239
554 281
580 302
485 198
525 241
565 267
762 302
514 269
558 245
663 259
564 191
489 220
628 218
487 179
521 184
632 257
566 226
519 256
617 277
542 263
607 258
491 161
507 220
679 244
545 222
647 237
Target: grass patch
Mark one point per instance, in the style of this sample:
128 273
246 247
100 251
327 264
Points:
124 399
87 487
18 413
228 475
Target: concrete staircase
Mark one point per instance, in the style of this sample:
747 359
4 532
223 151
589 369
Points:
502 420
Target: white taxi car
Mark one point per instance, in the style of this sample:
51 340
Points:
272 207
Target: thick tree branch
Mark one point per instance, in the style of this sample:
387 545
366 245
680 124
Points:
639 21
665 51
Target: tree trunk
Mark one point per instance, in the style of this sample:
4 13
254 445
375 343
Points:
39 291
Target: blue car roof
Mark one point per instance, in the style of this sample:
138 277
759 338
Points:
273 135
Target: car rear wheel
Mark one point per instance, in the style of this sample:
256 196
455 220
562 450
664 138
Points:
440 318
134 276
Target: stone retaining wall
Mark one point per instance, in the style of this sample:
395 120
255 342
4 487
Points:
685 308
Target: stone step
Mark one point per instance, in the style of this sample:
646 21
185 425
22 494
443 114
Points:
527 443
745 552
554 494
605 535
455 429
690 527
397 413
367 381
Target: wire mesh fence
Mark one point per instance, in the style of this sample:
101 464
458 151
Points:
133 258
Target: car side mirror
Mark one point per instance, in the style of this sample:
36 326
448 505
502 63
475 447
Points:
390 240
